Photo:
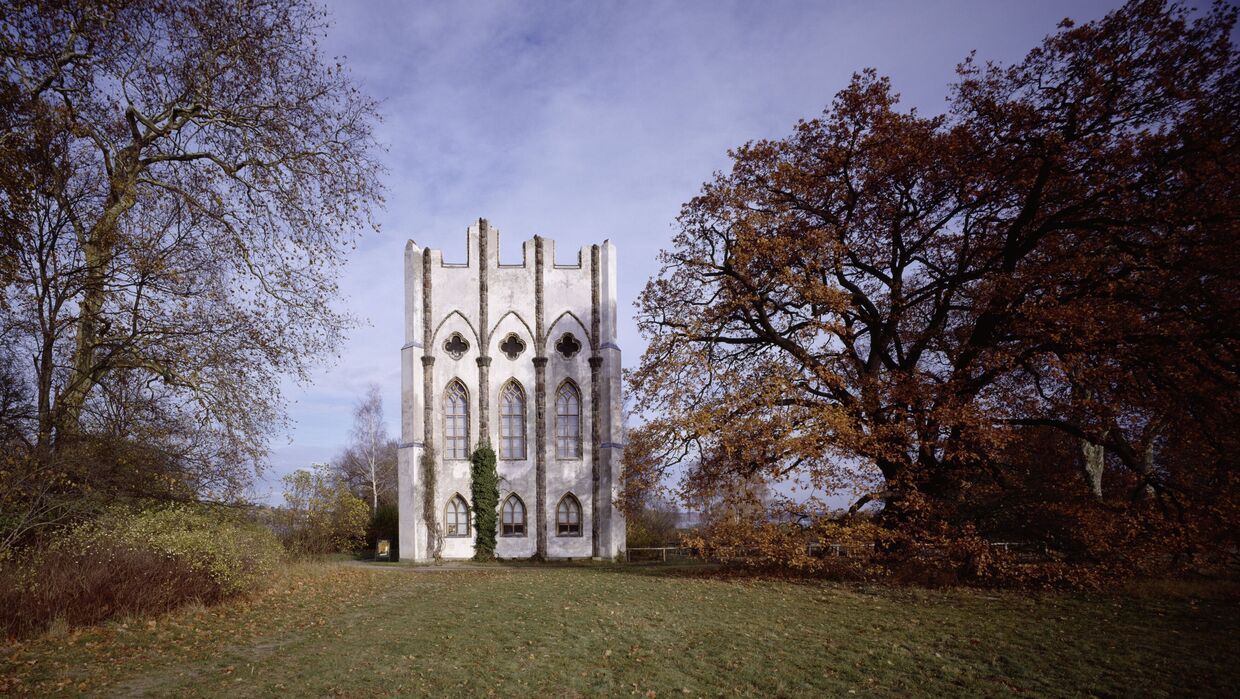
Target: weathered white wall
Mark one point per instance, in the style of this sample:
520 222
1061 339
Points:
568 306
611 396
410 529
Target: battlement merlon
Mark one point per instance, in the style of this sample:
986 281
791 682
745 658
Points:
413 294
607 292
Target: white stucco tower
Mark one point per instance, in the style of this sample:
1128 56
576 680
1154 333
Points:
524 355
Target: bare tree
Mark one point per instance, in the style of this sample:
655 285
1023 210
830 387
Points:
369 462
199 172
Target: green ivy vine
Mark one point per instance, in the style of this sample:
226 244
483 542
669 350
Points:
485 486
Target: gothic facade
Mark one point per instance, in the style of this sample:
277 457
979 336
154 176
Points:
525 356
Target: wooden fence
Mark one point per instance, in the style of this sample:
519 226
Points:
663 554
657 553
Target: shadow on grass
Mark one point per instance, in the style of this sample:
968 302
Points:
679 569
695 568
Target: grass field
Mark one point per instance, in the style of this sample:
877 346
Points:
352 630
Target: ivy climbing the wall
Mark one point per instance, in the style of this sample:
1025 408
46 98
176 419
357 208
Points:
485 484
434 538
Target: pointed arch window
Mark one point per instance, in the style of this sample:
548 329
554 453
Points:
512 517
568 516
456 517
568 421
456 422
512 422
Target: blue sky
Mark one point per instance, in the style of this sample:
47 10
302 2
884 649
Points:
593 120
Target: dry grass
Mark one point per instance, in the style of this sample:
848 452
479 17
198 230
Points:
340 629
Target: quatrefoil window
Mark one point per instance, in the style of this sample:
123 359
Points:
512 346
455 345
568 346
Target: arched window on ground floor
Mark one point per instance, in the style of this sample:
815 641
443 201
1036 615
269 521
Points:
456 517
568 516
512 517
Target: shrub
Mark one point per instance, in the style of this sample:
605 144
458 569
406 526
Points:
652 524
231 552
321 515
134 563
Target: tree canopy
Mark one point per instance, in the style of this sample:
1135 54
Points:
888 301
188 178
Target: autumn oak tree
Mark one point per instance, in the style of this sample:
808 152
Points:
888 301
194 174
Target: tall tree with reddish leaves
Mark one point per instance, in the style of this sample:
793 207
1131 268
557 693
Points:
884 300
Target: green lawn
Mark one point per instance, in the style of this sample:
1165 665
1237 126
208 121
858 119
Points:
352 630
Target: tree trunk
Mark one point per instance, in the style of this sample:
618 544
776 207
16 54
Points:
1095 462
1146 491
83 379
43 441
374 483
97 244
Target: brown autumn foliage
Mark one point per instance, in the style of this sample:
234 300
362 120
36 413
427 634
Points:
89 588
1026 304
